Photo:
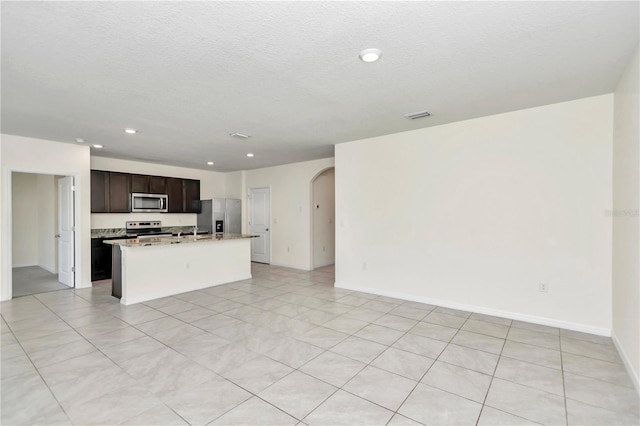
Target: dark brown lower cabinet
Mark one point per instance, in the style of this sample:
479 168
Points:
100 260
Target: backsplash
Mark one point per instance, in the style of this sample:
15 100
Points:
122 232
117 220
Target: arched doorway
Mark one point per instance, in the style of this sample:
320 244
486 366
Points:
323 227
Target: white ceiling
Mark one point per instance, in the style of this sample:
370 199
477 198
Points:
186 74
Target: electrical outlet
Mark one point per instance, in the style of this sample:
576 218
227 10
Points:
364 266
543 287
323 248
288 249
188 266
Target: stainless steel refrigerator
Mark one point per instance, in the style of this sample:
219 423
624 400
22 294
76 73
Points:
221 216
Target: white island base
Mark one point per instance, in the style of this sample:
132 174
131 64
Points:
147 272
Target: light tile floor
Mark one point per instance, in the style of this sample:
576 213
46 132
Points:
286 347
34 279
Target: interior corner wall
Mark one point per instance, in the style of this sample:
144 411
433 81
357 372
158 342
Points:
476 214
234 184
290 208
626 219
212 185
19 154
324 214
24 187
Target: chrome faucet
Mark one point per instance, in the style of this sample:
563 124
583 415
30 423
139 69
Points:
179 234
195 231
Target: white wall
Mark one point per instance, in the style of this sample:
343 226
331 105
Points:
24 187
47 222
626 220
476 214
3 229
212 184
290 208
235 182
324 214
47 157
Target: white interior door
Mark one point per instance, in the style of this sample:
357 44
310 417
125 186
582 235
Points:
259 224
66 222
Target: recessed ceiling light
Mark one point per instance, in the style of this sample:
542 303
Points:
97 146
210 163
239 135
79 140
130 131
249 154
370 55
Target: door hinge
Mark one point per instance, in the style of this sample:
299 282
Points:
73 269
73 229
73 187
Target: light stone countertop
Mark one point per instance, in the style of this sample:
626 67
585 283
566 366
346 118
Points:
122 232
186 239
108 232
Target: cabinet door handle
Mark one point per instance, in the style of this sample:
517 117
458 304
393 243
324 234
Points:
267 229
57 235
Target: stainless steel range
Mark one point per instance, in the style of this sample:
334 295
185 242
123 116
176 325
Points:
148 229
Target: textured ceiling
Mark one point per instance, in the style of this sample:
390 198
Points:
186 74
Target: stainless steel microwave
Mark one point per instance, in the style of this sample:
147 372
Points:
149 203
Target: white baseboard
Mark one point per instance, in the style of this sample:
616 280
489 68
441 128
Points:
283 265
51 270
601 331
627 363
22 265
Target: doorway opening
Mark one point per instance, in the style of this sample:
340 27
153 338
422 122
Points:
42 211
323 213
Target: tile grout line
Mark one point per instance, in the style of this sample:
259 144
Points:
115 363
296 335
493 375
36 368
564 385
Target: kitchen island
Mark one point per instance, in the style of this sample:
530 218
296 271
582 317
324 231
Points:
151 268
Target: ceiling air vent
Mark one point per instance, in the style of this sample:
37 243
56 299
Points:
416 115
239 135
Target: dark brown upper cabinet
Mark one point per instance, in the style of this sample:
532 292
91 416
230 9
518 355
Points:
119 192
99 191
191 196
111 191
140 184
157 185
175 191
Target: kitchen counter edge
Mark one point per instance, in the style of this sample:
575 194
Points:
186 239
